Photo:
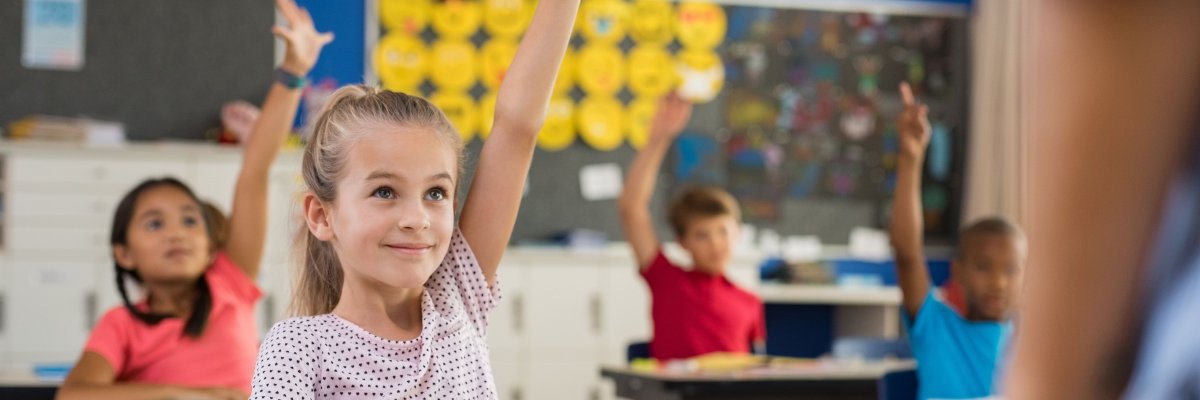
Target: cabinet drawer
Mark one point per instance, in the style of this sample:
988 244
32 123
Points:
120 173
84 239
62 205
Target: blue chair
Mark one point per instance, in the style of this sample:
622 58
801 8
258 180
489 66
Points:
898 385
870 348
637 350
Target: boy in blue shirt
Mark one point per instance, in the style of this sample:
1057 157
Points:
956 354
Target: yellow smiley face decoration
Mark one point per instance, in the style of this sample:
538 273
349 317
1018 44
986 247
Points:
461 111
405 16
487 114
497 56
506 18
650 71
457 19
700 25
701 74
650 22
401 62
558 132
638 120
603 21
601 121
453 65
600 69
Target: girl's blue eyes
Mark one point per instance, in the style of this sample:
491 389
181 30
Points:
435 194
384 193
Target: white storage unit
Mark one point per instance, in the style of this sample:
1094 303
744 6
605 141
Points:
858 311
56 207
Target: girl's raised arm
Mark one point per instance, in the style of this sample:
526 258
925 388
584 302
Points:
491 210
248 219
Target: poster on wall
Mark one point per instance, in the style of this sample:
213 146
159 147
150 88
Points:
53 35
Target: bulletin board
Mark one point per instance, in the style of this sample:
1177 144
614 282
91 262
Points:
162 67
794 114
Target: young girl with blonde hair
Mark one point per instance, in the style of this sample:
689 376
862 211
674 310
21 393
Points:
394 301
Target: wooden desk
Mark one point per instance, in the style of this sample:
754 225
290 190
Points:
820 380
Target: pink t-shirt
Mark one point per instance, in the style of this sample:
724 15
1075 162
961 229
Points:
223 355
327 357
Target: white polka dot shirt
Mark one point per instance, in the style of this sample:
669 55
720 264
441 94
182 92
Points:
327 357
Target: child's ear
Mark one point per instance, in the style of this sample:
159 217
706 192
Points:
122 256
316 215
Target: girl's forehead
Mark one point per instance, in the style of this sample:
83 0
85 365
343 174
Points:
404 153
165 196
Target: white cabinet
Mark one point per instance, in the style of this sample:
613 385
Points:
48 309
6 276
626 312
505 326
59 204
74 167
564 308
56 273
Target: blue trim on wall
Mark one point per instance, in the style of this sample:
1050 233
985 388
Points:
343 60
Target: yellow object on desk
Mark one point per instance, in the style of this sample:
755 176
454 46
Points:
720 363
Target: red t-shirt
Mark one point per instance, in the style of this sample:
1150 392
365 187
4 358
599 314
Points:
223 355
696 313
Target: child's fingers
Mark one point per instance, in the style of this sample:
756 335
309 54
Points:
281 32
906 94
326 38
287 8
305 17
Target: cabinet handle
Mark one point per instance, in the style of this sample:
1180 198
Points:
519 314
89 310
268 312
597 321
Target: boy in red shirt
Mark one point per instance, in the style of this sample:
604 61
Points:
698 310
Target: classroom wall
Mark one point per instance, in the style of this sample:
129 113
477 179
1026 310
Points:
175 41
162 67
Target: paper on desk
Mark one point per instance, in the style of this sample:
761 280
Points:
798 249
769 243
600 181
870 244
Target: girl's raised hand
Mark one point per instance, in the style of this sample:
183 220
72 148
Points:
304 43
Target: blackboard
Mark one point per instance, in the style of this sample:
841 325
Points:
162 67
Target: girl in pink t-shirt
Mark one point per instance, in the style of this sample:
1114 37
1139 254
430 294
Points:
193 334
393 301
